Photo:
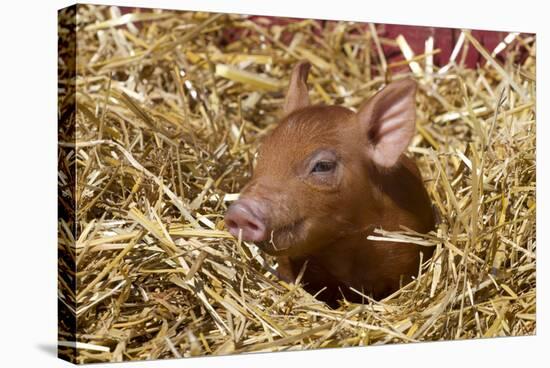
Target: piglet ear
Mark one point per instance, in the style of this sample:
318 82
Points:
388 121
297 94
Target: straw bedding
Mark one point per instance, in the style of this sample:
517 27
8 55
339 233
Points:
169 112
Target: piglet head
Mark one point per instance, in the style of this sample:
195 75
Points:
315 180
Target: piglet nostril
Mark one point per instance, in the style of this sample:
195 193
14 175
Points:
253 226
231 224
243 216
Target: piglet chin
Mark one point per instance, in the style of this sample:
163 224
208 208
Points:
251 235
270 248
284 240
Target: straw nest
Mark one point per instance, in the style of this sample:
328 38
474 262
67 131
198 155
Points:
169 111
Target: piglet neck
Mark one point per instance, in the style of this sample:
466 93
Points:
402 197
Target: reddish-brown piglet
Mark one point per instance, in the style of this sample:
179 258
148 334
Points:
325 178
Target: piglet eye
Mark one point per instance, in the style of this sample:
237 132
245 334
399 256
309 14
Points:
323 166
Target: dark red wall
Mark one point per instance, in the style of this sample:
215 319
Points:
444 38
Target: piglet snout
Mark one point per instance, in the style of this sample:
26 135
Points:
246 215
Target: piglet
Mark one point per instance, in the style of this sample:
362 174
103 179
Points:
324 179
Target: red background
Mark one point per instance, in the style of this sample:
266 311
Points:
444 38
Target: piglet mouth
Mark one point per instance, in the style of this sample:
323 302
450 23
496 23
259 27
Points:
282 238
247 219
